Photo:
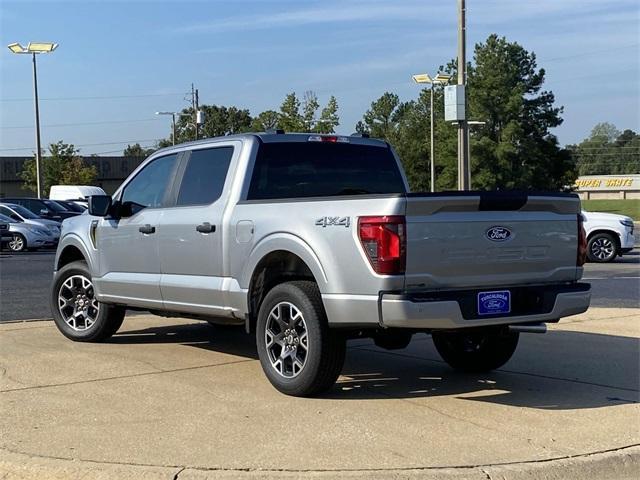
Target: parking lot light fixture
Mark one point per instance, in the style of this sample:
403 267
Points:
440 79
33 49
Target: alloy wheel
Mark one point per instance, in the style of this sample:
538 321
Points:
77 303
16 243
602 248
286 339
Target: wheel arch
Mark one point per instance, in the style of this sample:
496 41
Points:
72 251
286 260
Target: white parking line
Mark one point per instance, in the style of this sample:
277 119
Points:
608 278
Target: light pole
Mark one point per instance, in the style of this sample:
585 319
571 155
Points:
34 48
440 79
173 124
464 170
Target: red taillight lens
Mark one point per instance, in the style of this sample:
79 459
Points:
384 242
582 243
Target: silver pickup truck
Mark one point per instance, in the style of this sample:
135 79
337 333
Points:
308 240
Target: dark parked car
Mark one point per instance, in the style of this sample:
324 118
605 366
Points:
72 206
43 208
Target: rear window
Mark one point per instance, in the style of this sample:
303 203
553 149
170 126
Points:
311 169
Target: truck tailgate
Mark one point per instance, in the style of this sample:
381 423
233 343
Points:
490 239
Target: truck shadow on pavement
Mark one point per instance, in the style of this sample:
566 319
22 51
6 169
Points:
561 370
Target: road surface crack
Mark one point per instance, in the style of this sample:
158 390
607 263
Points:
119 377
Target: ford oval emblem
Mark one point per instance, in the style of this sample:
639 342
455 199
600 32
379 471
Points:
498 234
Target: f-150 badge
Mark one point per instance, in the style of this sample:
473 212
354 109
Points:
333 222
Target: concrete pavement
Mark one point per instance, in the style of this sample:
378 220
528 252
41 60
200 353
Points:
180 399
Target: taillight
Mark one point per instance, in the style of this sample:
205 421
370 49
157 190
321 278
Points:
582 243
384 242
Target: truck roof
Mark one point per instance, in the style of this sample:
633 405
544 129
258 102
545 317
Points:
273 137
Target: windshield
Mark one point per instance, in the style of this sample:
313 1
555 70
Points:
55 206
4 218
24 213
310 169
74 207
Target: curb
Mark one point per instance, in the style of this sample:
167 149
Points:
619 464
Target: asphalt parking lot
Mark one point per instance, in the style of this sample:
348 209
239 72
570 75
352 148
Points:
25 279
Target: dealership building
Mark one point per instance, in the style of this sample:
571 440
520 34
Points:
111 172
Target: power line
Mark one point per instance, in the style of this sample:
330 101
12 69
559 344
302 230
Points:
106 97
106 122
88 144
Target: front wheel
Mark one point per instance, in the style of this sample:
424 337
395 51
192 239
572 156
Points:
476 350
17 243
602 248
298 352
76 312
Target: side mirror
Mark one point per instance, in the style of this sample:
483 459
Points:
44 212
99 205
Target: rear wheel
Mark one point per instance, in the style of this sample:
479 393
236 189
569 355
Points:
602 248
76 312
298 352
476 350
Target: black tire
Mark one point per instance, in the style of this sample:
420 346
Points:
476 350
326 348
602 248
17 243
108 319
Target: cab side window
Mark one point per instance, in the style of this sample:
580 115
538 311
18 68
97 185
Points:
204 176
148 188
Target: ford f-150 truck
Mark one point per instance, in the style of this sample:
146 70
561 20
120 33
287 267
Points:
308 240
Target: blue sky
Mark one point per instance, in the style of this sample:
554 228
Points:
120 61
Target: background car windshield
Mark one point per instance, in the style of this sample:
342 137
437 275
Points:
24 213
56 207
312 169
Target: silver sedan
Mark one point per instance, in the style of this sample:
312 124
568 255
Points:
26 236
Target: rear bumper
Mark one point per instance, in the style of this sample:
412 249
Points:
451 310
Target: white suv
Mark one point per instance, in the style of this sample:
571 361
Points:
608 235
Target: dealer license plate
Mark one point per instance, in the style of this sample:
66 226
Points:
493 303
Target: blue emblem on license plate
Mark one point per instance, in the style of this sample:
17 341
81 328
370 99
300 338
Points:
492 303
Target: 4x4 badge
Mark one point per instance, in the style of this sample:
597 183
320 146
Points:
333 221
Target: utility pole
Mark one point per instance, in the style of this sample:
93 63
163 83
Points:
194 107
464 171
38 148
196 113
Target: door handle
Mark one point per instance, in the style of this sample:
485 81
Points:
206 227
147 229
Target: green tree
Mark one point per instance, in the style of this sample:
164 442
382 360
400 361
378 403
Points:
514 149
62 167
137 151
267 120
310 106
608 152
291 120
329 118
218 120
297 116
